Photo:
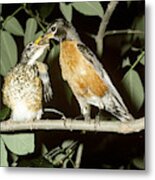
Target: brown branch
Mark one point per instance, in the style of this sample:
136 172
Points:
68 124
103 25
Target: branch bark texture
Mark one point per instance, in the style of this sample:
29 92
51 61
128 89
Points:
103 25
68 124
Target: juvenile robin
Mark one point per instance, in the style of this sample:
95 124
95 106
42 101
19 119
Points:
85 75
25 84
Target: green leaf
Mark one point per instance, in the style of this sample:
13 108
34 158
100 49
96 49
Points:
139 24
45 9
133 86
38 34
66 10
89 8
139 163
4 113
8 51
31 28
142 61
12 25
20 144
53 54
67 143
44 150
59 159
68 92
3 154
126 62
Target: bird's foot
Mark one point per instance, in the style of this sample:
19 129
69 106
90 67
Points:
56 112
97 121
87 119
79 117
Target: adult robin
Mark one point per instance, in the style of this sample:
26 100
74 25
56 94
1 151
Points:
25 84
85 75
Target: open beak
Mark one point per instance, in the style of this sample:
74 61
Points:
44 39
49 35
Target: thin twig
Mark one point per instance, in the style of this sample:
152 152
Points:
79 156
30 13
123 31
136 62
68 124
13 14
103 25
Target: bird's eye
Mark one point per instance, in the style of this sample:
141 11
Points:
53 28
31 44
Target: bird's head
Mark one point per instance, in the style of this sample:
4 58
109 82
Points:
61 30
33 51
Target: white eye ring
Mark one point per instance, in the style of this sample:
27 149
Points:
53 28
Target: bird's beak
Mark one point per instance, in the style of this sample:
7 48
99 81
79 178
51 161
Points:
38 40
44 39
49 35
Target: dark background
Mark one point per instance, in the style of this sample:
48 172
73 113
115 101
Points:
101 150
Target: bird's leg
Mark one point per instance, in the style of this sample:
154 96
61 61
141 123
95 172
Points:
84 107
86 112
39 114
97 117
79 117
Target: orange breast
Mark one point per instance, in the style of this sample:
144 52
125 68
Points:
80 74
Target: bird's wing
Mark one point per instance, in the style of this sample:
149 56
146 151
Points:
44 76
92 59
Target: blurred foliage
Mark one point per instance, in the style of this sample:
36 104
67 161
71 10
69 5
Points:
8 52
4 113
31 28
3 158
123 56
133 86
66 10
62 155
45 9
13 26
89 8
19 144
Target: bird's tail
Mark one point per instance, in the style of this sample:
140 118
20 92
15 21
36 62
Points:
116 108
